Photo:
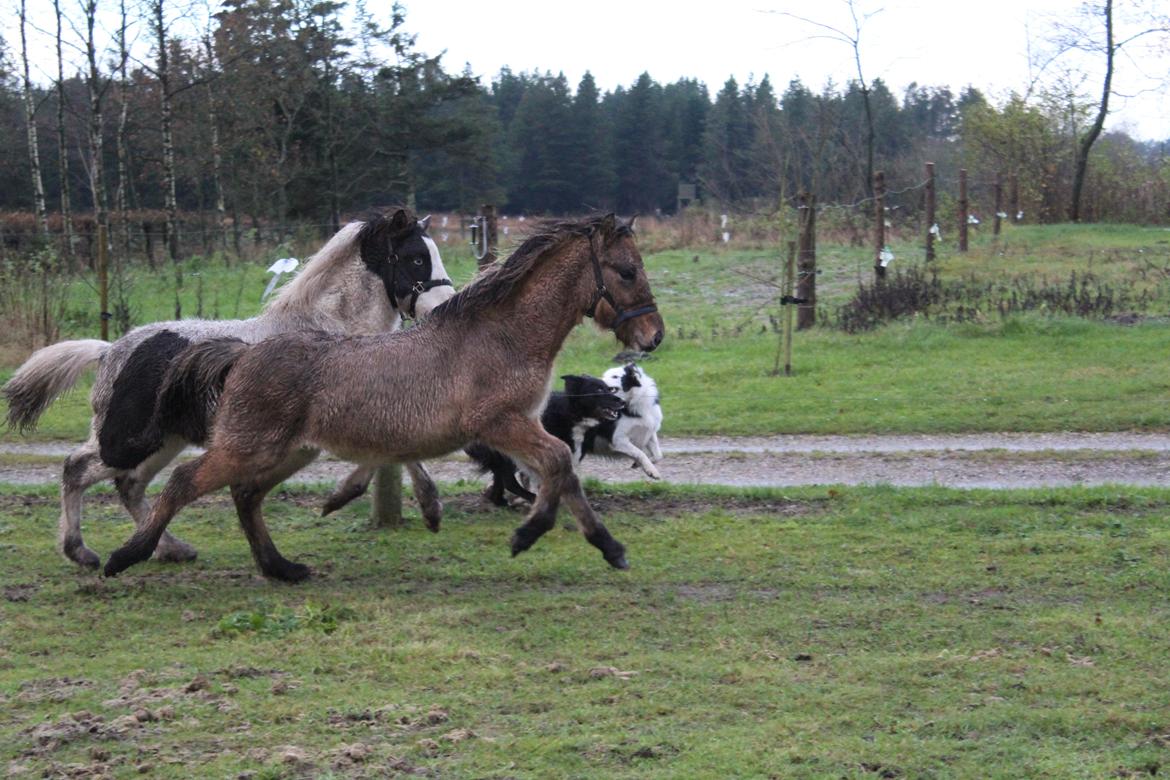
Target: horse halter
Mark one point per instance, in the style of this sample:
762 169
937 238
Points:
602 293
415 290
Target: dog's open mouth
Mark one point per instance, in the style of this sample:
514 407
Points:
610 414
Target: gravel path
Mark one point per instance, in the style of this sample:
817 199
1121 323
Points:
1001 460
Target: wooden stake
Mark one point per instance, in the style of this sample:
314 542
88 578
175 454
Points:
386 508
806 281
103 282
930 212
963 209
879 223
789 278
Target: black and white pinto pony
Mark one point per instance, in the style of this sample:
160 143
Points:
634 434
359 283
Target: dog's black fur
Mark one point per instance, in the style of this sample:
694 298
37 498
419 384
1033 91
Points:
586 402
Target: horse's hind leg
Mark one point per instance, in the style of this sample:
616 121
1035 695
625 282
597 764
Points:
248 497
426 494
210 471
132 490
83 469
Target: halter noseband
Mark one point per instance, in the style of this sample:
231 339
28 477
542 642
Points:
602 293
416 289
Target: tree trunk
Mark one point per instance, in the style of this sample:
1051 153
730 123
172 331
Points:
34 153
96 169
120 195
216 149
170 198
62 146
1086 145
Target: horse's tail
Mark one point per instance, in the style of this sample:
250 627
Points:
45 376
192 385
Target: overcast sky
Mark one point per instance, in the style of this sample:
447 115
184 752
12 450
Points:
952 43
983 43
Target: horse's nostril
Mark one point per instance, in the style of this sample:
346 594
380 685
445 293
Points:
658 338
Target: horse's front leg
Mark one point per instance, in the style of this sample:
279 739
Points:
551 458
353 486
210 471
426 494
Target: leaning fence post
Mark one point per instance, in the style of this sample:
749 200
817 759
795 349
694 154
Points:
789 278
931 224
963 209
879 224
489 214
806 280
386 507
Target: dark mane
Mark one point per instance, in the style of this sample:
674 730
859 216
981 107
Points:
493 285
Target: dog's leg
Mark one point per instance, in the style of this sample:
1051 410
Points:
621 443
655 449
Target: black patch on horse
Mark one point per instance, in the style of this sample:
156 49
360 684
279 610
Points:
129 432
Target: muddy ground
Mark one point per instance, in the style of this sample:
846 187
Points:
1007 460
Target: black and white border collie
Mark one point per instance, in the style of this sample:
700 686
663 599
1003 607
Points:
585 403
635 433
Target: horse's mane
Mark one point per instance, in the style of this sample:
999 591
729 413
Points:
304 291
496 283
300 294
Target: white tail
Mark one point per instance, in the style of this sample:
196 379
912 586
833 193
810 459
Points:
45 376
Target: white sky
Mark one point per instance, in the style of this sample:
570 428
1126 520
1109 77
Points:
936 43
983 43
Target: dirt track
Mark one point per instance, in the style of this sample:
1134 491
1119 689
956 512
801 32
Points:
973 460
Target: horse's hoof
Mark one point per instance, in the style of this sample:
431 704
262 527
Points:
521 541
118 563
174 551
289 572
433 517
82 556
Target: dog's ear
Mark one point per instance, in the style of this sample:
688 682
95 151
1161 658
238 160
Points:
572 383
630 378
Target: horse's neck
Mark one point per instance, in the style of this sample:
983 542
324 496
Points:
548 307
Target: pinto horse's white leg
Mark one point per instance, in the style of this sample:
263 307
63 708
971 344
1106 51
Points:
83 469
526 440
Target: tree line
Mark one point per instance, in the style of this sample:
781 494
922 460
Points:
287 111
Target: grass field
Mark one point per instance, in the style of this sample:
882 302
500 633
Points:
810 633
1025 373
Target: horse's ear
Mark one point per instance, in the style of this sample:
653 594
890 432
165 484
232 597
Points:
630 225
608 224
400 221
422 223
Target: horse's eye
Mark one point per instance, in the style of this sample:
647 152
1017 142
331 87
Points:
627 272
418 261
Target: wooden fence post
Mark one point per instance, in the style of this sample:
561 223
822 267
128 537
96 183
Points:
386 507
806 280
879 223
963 209
998 202
931 203
103 274
1015 197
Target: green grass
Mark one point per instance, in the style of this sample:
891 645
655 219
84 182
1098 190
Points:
809 633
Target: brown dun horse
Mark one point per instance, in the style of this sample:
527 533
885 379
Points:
477 369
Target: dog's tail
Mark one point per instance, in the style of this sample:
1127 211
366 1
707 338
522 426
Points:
45 376
192 385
